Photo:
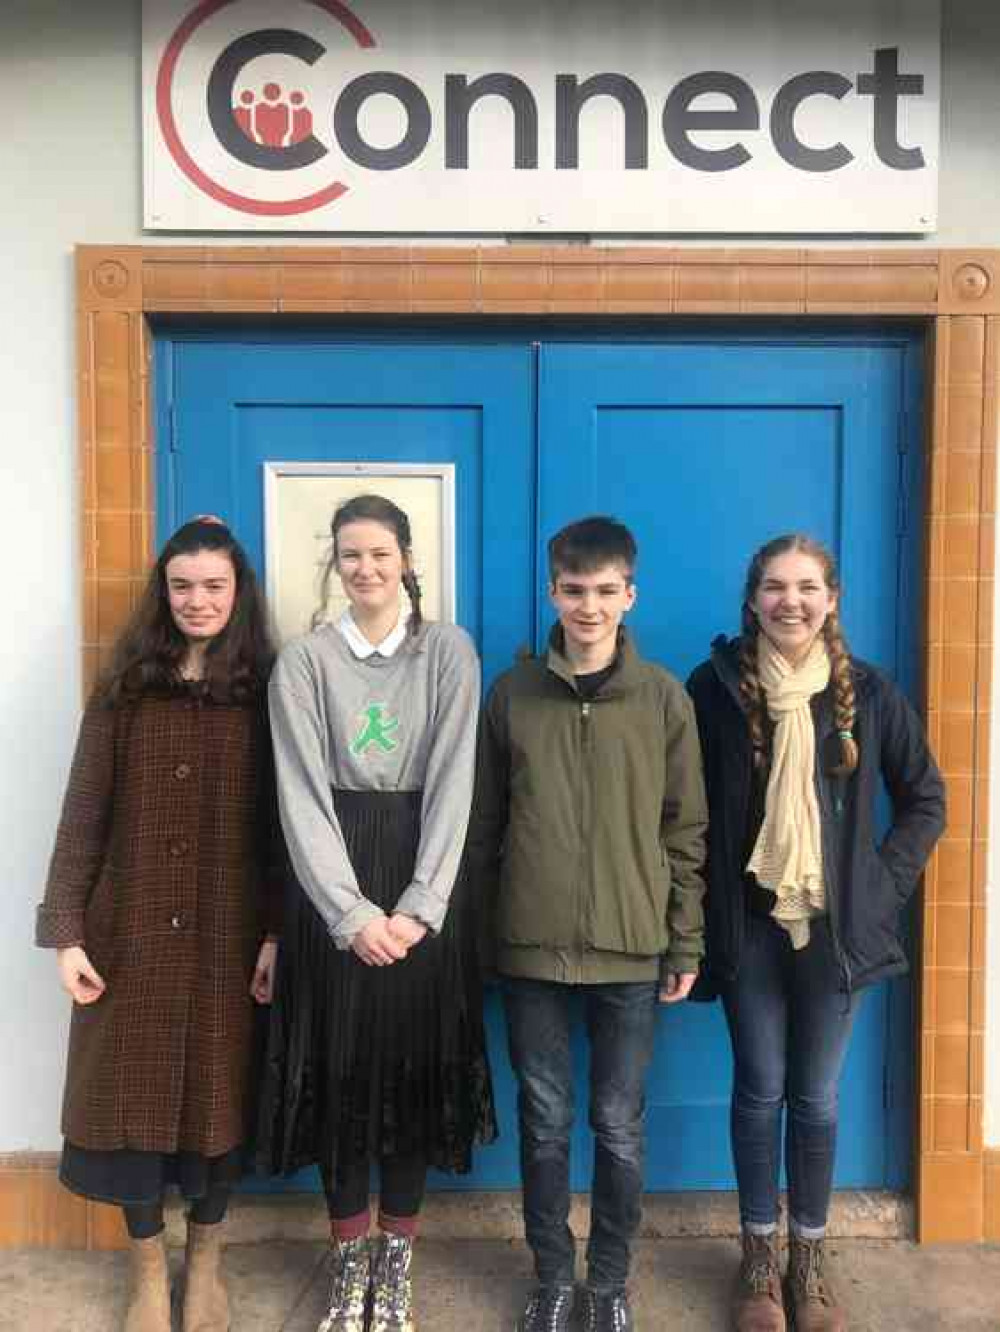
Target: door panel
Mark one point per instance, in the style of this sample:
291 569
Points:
705 448
707 451
237 406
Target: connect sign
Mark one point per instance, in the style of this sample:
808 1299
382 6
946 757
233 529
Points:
288 121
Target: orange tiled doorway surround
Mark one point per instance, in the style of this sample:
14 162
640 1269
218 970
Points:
957 296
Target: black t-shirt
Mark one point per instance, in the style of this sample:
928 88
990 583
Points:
588 685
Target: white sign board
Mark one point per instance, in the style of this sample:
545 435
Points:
541 116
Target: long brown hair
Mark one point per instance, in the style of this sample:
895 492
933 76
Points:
150 649
375 509
751 690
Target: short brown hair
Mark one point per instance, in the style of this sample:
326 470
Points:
591 543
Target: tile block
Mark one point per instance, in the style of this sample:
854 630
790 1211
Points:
951 1124
950 1198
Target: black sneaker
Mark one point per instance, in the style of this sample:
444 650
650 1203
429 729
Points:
607 1310
548 1310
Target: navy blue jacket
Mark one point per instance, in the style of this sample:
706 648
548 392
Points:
867 882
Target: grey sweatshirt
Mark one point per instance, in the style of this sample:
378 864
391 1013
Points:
402 723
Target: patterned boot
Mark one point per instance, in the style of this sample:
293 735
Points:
149 1306
607 1310
392 1292
549 1309
206 1303
350 1271
757 1303
810 1298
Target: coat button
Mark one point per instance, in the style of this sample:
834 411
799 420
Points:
182 771
175 922
178 848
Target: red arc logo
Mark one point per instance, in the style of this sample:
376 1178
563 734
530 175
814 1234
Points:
175 144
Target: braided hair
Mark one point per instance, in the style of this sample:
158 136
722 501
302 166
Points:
751 689
376 509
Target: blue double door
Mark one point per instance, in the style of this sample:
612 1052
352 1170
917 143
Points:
706 447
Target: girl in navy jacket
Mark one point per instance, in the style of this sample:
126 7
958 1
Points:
803 904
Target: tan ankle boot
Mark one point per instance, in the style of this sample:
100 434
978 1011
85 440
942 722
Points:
149 1306
206 1304
810 1297
757 1305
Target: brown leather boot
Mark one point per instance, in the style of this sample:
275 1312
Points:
810 1298
206 1304
757 1303
149 1306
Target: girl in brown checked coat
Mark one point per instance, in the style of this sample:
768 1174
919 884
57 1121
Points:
162 903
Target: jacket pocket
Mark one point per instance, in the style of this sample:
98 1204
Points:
628 912
895 894
539 900
875 941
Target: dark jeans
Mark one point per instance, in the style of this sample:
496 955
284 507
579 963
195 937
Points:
621 1021
789 1024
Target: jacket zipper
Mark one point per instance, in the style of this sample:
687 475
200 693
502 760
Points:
585 818
833 905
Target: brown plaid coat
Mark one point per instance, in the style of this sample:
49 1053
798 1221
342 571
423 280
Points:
166 868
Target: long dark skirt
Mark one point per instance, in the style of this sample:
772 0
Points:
376 1061
129 1177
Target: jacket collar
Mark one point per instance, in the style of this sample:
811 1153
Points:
623 678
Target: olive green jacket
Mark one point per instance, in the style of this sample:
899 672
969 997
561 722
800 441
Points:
588 831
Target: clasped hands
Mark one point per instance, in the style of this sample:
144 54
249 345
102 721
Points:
387 939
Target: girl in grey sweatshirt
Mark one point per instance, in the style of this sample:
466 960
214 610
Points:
376 1051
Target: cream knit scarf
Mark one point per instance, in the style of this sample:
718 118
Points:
788 855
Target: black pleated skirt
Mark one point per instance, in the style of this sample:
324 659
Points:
368 1062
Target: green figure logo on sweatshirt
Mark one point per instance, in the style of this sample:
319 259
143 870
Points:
376 730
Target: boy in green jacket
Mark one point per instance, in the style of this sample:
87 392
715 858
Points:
588 834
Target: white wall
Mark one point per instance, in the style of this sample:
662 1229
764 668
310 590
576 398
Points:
70 172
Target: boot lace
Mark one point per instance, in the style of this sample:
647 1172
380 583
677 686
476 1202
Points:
759 1263
606 1311
809 1277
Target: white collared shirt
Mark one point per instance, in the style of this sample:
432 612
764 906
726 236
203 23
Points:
360 646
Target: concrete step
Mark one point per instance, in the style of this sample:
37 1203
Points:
480 1286
256 1218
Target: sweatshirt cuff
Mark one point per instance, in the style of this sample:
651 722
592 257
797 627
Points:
356 919
419 902
57 927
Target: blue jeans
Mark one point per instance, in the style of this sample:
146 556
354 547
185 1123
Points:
790 1024
621 1022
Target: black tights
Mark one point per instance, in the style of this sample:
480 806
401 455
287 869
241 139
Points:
145 1220
401 1193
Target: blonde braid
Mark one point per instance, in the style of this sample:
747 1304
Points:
751 691
843 694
